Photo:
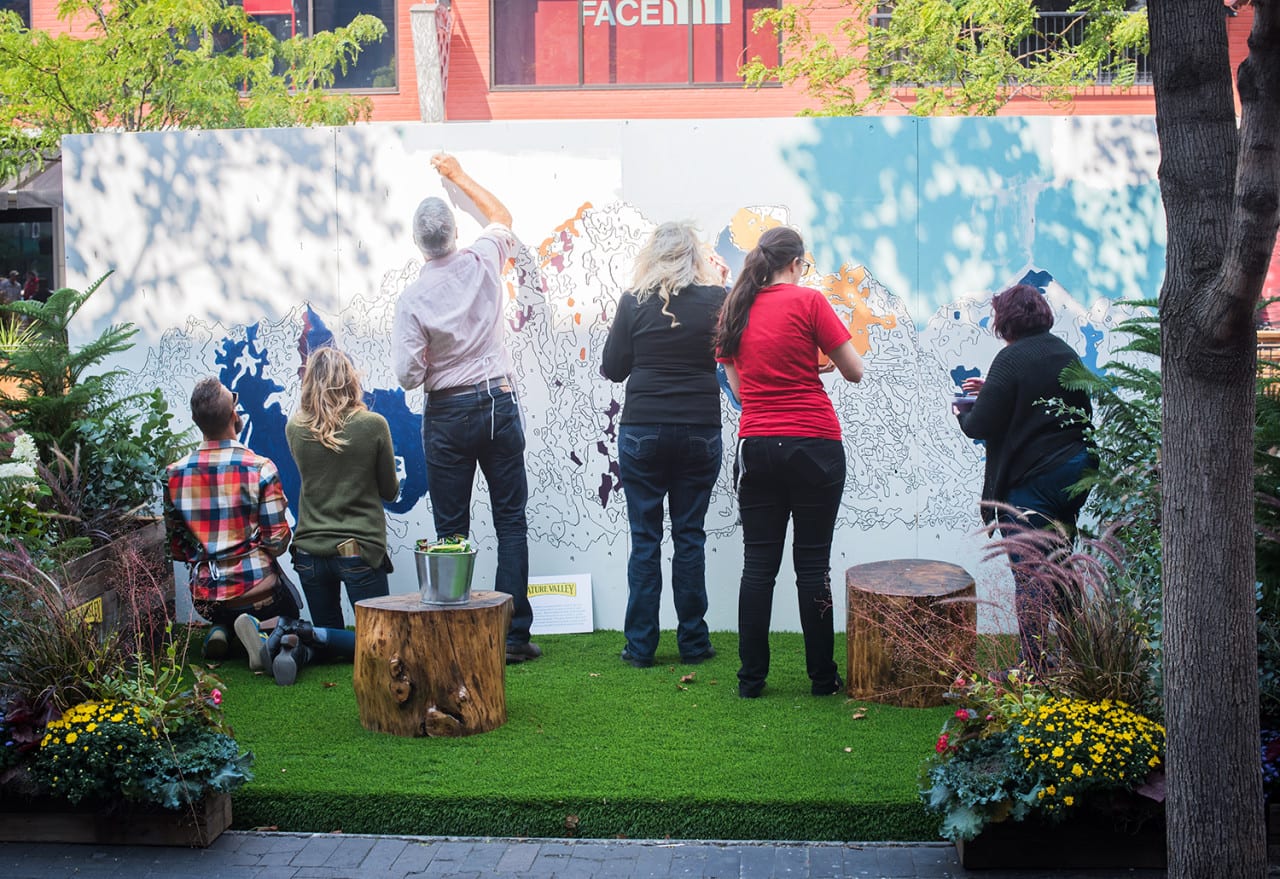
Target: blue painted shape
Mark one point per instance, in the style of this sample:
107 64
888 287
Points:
729 252
264 418
406 440
961 372
723 378
1092 336
1039 280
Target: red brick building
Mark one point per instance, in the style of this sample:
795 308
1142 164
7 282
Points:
584 59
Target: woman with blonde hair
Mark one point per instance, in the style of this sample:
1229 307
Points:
348 468
669 445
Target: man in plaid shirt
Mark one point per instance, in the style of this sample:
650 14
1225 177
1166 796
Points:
224 510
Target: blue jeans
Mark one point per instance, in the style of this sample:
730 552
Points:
322 578
1046 500
459 432
781 480
678 462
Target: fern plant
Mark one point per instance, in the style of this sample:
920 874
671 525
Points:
103 451
56 382
1124 490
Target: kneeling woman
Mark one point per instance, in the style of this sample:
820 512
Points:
348 468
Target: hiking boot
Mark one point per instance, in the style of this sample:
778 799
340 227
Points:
522 652
254 641
215 644
292 656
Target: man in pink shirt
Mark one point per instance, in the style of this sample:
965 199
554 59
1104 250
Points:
448 338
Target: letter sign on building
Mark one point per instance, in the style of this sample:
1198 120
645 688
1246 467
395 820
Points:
626 42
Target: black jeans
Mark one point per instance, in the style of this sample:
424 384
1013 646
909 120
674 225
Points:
283 601
483 429
800 479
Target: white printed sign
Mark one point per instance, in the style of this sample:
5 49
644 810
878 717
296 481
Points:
561 605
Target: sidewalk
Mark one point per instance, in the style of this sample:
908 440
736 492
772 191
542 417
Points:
250 855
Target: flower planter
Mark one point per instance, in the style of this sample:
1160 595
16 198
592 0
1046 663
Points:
195 827
94 581
1082 843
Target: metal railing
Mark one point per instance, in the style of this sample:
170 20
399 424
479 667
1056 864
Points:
1053 31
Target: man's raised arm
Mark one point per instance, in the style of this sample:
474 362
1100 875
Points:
485 201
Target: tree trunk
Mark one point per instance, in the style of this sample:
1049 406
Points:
1221 224
910 621
432 670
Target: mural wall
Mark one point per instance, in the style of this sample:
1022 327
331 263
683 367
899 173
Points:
238 252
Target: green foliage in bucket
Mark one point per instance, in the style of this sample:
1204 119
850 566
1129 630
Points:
456 544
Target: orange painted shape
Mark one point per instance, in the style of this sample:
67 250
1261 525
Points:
848 290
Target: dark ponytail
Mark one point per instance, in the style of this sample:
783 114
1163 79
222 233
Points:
778 248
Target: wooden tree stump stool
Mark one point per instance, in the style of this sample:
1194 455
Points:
910 622
432 669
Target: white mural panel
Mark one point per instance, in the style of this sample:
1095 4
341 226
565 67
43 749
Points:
236 252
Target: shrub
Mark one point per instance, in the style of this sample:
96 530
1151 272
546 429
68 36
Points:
103 450
1098 642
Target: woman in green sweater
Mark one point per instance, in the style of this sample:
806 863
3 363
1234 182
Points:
348 468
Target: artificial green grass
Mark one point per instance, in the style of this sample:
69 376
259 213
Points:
593 748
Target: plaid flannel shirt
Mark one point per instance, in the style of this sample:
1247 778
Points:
224 509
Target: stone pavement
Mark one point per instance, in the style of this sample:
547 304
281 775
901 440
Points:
251 855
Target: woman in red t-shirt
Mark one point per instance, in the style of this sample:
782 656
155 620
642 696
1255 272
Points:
790 458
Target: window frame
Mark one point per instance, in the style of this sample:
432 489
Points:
689 83
392 29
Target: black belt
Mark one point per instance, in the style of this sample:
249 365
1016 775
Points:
493 384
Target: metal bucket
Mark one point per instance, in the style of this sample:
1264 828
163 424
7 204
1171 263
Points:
445 577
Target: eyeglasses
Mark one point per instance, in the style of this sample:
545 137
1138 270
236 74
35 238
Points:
805 265
235 404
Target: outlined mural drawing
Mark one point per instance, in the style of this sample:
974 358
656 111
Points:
909 248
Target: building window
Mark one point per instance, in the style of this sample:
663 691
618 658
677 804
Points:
376 66
22 7
26 247
610 43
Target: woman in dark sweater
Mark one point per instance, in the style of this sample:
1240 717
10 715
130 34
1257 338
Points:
1034 455
669 439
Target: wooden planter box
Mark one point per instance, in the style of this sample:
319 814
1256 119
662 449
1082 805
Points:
93 582
1080 844
196 827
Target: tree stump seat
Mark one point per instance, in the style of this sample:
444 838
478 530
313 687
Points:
432 669
909 622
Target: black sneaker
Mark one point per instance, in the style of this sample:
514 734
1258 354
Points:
635 661
696 658
835 685
522 652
